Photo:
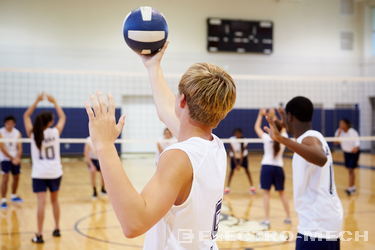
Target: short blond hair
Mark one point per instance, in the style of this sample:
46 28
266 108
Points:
210 93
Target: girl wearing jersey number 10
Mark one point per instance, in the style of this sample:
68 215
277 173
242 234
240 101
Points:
46 162
272 172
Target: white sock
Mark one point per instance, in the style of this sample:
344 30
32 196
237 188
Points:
3 200
13 196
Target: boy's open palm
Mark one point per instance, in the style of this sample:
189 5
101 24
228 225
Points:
102 122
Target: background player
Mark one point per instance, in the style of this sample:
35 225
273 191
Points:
351 151
165 142
318 206
187 189
92 162
10 159
238 154
272 172
46 162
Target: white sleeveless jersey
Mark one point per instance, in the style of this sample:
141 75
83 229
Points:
194 224
11 146
237 148
318 206
268 156
46 163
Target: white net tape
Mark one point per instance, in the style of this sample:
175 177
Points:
225 140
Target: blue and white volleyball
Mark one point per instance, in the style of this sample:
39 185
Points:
145 30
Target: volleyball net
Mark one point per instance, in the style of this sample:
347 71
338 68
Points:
334 98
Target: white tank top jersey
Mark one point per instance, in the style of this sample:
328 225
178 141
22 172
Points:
194 224
46 163
268 156
236 146
11 146
348 146
318 206
92 153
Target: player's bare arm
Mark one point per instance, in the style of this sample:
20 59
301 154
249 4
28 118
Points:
310 148
163 95
258 123
137 212
27 115
60 114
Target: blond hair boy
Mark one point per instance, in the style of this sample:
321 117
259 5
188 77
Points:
179 207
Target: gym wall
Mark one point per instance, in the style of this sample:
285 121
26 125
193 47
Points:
70 49
75 35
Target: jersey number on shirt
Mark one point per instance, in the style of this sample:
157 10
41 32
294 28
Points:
49 153
330 179
330 172
215 226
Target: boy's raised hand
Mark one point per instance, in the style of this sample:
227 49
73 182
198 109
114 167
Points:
102 122
151 61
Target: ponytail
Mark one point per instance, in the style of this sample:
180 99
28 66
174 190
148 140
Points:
276 145
276 148
40 124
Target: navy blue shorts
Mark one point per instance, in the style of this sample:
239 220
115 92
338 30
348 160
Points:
96 164
351 159
233 164
8 166
272 175
308 243
41 185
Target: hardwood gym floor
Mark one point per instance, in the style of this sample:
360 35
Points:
91 224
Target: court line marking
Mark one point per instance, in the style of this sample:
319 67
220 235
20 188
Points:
78 230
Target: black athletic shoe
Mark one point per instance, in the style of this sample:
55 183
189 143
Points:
104 191
94 194
38 239
348 192
56 233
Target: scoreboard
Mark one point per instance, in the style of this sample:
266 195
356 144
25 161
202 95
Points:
241 36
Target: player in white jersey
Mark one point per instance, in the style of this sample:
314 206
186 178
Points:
351 151
238 155
179 207
165 142
272 172
10 159
93 164
318 206
46 163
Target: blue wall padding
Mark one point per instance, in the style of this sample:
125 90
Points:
324 120
76 126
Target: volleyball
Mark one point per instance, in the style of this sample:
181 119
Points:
145 30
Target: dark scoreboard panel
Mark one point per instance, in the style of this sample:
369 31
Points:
239 36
